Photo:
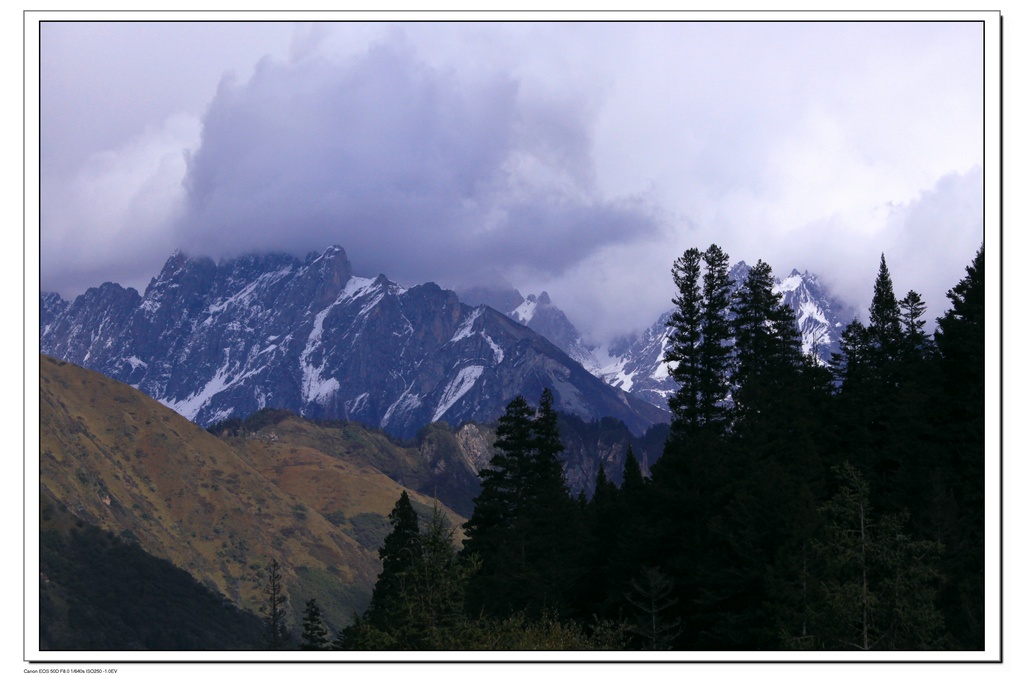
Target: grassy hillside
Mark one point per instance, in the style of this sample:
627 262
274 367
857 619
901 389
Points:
440 462
220 509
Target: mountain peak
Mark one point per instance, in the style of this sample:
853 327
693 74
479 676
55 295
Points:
738 272
213 342
174 263
331 271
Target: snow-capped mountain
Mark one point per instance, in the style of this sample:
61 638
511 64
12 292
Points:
213 341
539 314
820 317
638 365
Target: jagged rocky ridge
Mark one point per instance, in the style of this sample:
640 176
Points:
636 364
219 340
539 314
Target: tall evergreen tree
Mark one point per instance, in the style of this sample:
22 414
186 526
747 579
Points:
852 363
605 491
960 335
959 423
681 355
878 394
912 310
551 523
434 594
715 349
772 475
885 446
699 351
601 540
503 485
730 508
523 523
276 635
686 483
618 536
315 636
885 328
633 480
914 447
425 595
767 340
401 550
547 444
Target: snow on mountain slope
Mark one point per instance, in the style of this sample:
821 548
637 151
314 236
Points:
638 366
539 314
218 340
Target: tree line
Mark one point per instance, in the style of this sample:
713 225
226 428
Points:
797 504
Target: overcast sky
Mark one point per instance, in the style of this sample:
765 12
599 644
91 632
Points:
577 158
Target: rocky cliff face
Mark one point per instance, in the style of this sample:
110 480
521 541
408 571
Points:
214 341
539 314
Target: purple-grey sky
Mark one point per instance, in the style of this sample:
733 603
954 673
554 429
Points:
580 158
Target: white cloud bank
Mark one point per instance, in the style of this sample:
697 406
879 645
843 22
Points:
577 158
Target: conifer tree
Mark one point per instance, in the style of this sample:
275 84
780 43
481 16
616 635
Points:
633 480
434 591
548 445
503 482
424 606
401 549
914 448
699 341
729 506
276 635
633 507
684 340
315 636
618 536
522 527
851 363
959 422
960 335
912 310
687 481
715 350
886 396
767 340
603 515
605 491
885 329
766 486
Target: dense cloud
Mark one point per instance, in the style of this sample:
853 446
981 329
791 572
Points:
577 158
419 173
